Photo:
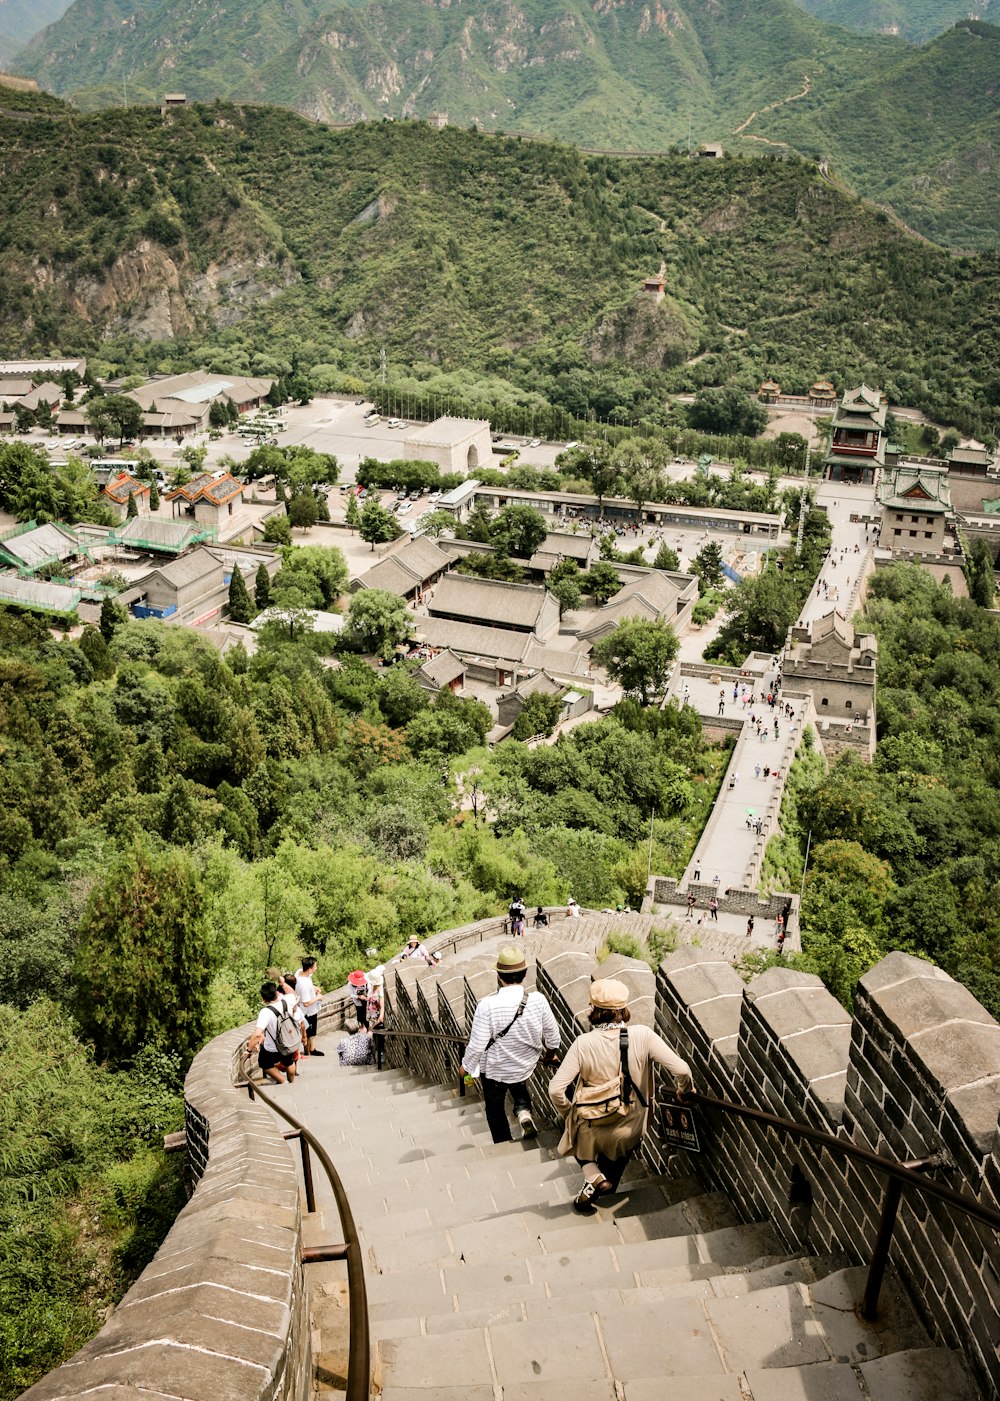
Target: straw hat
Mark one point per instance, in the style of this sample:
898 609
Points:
609 993
510 960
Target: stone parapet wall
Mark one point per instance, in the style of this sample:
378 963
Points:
735 899
221 1310
915 1074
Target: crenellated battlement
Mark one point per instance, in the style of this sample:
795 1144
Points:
915 1074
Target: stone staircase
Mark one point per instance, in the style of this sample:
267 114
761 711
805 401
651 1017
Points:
485 1285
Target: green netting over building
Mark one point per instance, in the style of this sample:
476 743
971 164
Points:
165 537
37 595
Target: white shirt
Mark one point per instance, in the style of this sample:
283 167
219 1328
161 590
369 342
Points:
305 991
267 1018
514 1057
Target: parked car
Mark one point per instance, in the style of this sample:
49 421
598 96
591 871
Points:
402 493
435 496
395 423
535 443
405 507
573 444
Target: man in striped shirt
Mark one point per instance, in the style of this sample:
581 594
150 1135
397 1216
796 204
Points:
510 1031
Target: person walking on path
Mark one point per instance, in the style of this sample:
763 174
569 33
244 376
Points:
609 1070
309 996
510 1031
713 906
749 926
690 905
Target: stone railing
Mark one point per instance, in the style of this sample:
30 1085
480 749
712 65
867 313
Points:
915 1074
221 1310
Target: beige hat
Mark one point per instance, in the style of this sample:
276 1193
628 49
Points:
510 960
608 992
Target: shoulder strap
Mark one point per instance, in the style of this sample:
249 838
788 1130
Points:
520 1008
627 1084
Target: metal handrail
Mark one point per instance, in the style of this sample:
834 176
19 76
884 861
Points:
359 1352
900 1175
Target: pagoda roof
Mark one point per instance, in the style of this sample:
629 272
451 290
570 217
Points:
911 485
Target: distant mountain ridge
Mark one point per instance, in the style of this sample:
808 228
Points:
915 20
21 19
607 74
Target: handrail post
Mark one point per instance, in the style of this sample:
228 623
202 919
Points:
307 1174
379 1040
880 1252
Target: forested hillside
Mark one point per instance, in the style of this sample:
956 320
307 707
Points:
623 76
250 236
916 20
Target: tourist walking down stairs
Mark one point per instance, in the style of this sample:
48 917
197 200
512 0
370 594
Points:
510 1031
604 1089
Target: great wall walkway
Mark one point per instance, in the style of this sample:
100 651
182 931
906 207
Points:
484 1285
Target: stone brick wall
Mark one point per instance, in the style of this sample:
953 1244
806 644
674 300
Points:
915 1074
221 1310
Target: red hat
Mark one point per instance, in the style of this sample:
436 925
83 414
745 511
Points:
356 979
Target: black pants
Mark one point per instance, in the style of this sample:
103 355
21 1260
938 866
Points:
495 1103
612 1168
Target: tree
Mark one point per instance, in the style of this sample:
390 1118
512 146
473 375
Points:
240 607
145 960
667 558
759 612
218 415
110 618
317 574
379 621
603 473
539 716
132 509
979 574
114 414
708 565
602 581
95 649
637 654
154 494
727 412
277 530
567 593
352 516
378 525
303 510
262 587
518 531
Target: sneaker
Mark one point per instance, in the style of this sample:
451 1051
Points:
583 1202
528 1129
317 1053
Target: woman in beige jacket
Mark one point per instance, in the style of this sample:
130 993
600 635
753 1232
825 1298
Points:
603 1145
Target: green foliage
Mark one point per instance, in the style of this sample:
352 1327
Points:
378 524
352 515
568 594
114 415
86 1194
707 565
311 576
144 959
262 587
763 246
667 558
602 581
638 655
241 609
379 622
277 531
727 411
538 717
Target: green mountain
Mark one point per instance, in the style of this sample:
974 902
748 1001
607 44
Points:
918 139
20 20
248 237
915 20
628 75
